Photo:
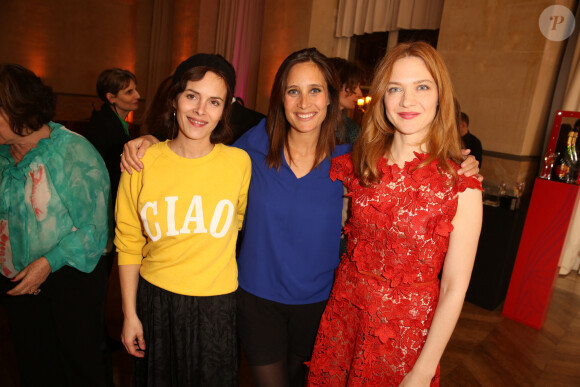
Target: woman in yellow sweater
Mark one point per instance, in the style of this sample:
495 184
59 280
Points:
177 224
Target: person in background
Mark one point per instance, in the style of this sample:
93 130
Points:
293 223
177 225
54 193
242 118
389 318
469 140
155 114
107 130
350 76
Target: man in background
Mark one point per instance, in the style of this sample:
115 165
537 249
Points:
469 140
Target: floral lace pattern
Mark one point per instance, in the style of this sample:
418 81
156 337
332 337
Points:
386 287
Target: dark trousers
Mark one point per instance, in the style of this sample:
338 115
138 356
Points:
59 334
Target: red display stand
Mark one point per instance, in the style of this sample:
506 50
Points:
536 267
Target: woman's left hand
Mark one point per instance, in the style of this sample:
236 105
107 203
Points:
469 166
31 277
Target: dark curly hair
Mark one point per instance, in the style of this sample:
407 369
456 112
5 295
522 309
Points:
27 102
350 74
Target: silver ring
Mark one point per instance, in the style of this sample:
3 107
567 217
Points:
36 292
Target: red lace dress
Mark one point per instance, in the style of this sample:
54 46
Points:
386 287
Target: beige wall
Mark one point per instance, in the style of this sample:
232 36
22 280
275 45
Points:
323 27
503 71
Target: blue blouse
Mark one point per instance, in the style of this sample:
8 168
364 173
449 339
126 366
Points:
292 227
53 204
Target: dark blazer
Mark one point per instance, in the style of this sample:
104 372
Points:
243 119
106 133
473 143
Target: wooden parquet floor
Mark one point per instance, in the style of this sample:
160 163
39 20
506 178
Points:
486 349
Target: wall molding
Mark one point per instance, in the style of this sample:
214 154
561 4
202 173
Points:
509 156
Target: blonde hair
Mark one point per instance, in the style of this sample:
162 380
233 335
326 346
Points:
442 140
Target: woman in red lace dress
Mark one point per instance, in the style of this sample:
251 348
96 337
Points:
389 317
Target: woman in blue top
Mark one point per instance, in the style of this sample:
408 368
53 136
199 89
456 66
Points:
293 219
54 192
290 246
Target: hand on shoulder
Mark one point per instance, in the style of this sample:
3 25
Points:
133 152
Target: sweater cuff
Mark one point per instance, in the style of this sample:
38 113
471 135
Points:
129 259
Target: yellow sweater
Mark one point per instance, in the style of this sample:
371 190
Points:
179 218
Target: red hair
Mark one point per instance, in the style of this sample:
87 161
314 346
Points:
442 140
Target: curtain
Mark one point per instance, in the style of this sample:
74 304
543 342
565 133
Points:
226 28
159 46
239 36
357 17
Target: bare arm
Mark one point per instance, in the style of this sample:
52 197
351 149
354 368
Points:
134 150
454 282
132 334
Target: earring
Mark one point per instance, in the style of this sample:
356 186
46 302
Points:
173 134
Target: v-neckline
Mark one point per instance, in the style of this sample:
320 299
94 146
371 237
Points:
291 170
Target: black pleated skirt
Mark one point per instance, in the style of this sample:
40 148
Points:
190 341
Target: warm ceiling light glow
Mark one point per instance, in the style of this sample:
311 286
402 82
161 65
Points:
360 102
367 100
